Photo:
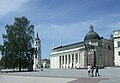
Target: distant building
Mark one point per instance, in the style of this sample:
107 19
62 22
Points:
45 63
117 47
37 55
93 50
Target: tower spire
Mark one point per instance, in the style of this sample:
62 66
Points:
37 34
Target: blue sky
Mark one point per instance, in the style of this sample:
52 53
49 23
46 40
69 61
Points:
62 20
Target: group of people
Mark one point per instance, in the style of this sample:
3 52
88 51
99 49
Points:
91 69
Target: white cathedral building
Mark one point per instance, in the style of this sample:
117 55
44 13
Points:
93 50
37 54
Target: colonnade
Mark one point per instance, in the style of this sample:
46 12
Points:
70 60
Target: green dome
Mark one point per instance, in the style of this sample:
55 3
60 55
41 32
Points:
91 34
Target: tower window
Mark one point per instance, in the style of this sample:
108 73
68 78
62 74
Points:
118 53
118 43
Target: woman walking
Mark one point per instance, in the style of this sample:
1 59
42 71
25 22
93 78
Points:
89 68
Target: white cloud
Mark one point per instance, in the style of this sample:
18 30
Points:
70 30
117 25
7 6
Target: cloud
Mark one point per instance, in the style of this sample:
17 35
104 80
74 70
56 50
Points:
70 30
7 6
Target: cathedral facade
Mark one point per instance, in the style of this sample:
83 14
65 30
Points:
37 54
94 50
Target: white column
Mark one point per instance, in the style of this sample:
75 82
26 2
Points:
78 60
61 61
64 61
71 61
67 60
74 60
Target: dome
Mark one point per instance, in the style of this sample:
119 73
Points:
91 34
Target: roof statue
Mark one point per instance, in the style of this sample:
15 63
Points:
91 28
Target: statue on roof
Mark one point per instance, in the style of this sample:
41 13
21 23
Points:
91 28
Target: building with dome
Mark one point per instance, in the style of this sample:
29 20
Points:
94 50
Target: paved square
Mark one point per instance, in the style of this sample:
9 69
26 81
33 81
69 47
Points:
108 75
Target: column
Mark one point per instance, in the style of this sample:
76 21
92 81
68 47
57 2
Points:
64 60
78 63
74 60
71 61
67 61
61 61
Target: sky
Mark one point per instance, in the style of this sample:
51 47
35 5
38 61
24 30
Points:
65 21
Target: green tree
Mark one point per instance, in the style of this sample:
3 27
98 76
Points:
18 41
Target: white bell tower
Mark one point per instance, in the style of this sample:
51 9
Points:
37 54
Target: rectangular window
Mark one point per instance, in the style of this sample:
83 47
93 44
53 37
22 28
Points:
118 53
118 43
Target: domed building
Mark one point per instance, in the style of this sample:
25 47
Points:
94 50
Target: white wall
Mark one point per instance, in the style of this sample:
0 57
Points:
54 62
116 48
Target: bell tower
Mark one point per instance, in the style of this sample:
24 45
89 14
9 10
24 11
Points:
37 54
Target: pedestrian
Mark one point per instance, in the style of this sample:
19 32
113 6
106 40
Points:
97 71
89 68
92 71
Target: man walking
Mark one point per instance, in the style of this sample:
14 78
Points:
92 71
97 71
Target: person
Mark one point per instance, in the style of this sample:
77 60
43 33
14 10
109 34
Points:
89 68
97 71
92 71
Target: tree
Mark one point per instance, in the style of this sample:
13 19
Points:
18 41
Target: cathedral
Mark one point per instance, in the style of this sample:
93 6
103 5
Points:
94 50
37 54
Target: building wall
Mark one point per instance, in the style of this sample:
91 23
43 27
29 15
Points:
54 61
116 52
116 47
108 52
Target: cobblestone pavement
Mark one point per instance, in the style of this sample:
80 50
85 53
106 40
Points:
32 79
88 80
108 75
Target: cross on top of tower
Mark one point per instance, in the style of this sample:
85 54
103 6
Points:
37 34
